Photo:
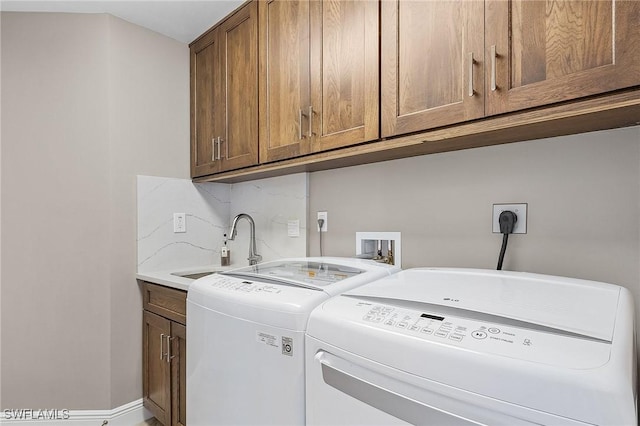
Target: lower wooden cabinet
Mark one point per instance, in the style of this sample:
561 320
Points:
164 354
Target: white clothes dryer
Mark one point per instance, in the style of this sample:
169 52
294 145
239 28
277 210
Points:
473 347
245 337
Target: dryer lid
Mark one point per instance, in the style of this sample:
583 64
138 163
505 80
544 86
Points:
567 305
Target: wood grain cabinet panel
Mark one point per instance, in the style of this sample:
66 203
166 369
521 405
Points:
178 374
239 61
284 78
432 64
335 74
156 372
344 73
206 108
319 78
449 62
543 52
164 353
224 95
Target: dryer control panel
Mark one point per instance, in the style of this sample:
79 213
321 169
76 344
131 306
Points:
531 344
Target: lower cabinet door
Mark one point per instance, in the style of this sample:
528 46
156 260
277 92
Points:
156 334
178 374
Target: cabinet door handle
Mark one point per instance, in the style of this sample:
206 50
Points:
219 139
300 135
471 62
213 149
493 68
161 346
169 357
311 134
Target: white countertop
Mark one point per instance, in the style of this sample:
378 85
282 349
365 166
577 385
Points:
172 278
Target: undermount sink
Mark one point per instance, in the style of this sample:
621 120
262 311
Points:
193 276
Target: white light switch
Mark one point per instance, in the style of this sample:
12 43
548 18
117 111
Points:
179 222
293 228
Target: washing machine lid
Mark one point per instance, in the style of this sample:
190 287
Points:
553 304
329 274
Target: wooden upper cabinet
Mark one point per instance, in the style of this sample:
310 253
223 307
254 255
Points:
432 64
284 78
206 108
318 76
224 91
344 73
239 59
541 52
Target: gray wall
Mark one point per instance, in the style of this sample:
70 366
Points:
584 206
88 102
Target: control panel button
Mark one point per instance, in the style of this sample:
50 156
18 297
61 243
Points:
457 337
402 325
427 330
478 334
414 327
441 334
390 322
494 330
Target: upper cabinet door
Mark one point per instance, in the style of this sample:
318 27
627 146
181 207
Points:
238 37
344 73
224 95
284 79
206 104
541 52
432 64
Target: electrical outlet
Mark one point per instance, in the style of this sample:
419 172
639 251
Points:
521 212
325 225
179 222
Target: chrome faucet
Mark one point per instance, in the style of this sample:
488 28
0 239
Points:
254 257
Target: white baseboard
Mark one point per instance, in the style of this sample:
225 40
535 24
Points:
129 414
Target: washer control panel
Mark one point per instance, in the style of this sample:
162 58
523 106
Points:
472 334
235 284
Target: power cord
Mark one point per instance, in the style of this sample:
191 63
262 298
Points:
320 225
507 221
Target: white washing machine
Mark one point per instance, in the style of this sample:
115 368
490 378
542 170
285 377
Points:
472 347
245 337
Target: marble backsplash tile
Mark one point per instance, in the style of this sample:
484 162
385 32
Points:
207 215
209 209
272 203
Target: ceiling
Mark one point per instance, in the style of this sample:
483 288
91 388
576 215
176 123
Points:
180 20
